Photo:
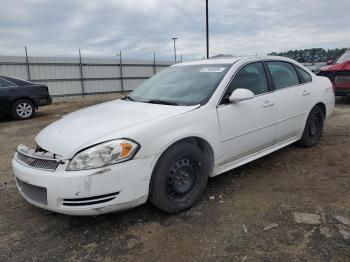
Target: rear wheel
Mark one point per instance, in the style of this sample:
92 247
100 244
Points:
313 128
23 109
180 178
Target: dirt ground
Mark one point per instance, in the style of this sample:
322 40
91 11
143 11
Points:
227 224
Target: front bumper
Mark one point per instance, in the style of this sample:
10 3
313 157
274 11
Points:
89 192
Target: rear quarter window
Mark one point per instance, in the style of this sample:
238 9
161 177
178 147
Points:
305 76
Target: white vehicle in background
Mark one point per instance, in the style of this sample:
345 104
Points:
161 143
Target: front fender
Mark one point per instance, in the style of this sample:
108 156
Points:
201 123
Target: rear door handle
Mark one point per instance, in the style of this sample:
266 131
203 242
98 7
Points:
268 103
306 92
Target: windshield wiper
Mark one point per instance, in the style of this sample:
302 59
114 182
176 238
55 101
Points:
127 98
161 102
153 101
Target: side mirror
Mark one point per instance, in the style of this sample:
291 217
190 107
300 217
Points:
329 62
241 94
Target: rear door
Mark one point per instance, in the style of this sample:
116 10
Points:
7 90
292 97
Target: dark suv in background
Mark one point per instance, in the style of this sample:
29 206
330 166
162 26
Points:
21 98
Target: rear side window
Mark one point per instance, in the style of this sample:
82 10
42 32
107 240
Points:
305 76
5 83
283 74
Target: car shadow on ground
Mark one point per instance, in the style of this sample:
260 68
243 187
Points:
342 100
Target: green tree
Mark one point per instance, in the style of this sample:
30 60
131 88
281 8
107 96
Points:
312 55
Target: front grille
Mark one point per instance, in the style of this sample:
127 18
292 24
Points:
85 201
35 193
37 162
342 79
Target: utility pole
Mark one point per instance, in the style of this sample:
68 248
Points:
81 74
27 63
174 39
207 26
121 71
154 63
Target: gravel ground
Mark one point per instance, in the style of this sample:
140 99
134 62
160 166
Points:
292 205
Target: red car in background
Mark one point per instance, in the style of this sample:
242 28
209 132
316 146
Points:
339 74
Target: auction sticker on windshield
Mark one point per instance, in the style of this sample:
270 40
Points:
212 69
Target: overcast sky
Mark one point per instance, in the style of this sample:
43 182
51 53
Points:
139 27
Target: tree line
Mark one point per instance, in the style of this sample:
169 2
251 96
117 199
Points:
312 55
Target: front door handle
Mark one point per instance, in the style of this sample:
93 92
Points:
268 103
306 92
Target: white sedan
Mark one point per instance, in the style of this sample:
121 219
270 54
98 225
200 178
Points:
189 122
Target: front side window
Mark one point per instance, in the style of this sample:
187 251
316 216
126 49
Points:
181 85
5 83
305 76
251 77
283 74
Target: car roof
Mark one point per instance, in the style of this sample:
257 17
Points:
233 59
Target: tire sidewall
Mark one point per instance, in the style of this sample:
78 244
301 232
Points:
158 186
307 140
14 109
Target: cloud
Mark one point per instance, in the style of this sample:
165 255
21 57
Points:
141 27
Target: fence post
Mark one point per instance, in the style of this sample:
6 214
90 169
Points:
27 63
121 72
81 74
154 63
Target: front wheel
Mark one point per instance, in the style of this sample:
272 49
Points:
180 178
313 128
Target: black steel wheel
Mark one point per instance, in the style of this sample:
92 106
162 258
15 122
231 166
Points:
179 178
182 177
313 128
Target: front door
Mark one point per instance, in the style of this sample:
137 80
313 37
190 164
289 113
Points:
247 126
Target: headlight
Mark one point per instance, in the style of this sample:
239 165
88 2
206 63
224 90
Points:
104 154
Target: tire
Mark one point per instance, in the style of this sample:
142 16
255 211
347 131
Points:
23 109
313 128
179 178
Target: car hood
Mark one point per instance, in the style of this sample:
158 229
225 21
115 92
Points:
93 125
337 67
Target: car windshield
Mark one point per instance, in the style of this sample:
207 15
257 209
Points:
344 57
181 85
